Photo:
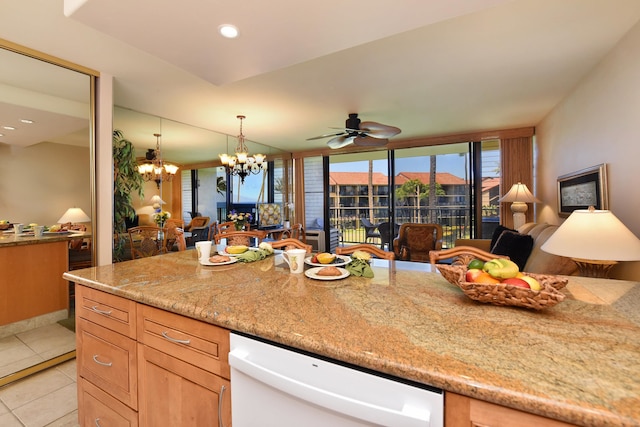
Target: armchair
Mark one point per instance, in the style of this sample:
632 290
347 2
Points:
370 230
415 241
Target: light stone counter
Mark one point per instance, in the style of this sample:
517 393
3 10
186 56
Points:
577 362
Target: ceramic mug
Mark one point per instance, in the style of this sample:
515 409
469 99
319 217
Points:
204 250
18 228
38 230
295 259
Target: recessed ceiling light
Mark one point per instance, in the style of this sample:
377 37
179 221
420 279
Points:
229 31
27 121
8 127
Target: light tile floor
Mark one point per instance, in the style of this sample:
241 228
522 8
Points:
46 399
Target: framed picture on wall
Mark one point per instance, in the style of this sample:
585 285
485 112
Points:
583 188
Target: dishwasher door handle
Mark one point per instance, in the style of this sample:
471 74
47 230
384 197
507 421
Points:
409 416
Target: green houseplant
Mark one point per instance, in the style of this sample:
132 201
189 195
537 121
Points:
127 181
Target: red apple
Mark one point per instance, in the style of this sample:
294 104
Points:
514 281
473 274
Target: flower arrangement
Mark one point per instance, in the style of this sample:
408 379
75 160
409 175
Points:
161 217
239 219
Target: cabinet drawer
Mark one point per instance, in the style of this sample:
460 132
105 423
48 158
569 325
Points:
199 343
95 407
108 360
111 311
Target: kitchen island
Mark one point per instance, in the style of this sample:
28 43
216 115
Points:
576 362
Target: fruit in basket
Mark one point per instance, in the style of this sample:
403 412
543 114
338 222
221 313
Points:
514 281
501 268
472 274
237 249
325 258
476 264
533 283
486 278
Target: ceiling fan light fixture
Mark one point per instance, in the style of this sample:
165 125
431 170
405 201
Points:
228 31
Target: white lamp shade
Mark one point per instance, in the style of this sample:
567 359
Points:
74 215
157 199
594 235
519 193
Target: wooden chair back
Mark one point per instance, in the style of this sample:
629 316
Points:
225 227
238 237
288 243
146 240
415 241
462 255
181 242
213 230
296 231
366 247
197 221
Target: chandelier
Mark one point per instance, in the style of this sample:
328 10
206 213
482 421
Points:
242 164
154 169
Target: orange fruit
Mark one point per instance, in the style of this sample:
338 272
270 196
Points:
486 278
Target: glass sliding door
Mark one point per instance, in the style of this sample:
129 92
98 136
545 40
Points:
432 185
488 185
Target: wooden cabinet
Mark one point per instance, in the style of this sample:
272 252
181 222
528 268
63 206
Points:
138 365
462 411
178 353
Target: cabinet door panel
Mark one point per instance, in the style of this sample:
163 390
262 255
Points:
176 393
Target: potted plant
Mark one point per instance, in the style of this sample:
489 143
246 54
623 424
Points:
127 181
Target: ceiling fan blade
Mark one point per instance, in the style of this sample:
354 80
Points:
378 130
369 141
340 141
326 136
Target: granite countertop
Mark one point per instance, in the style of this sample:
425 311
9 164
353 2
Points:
10 239
577 362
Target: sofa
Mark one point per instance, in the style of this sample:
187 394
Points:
538 261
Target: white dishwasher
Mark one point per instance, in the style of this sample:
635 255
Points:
276 386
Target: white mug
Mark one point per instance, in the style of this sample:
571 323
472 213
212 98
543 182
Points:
18 228
38 230
295 259
204 250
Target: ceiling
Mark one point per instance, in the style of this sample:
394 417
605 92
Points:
429 67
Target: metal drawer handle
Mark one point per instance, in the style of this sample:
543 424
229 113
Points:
222 389
97 422
106 313
166 336
95 359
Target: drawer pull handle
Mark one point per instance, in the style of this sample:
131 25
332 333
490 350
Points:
185 342
222 389
95 359
106 313
97 422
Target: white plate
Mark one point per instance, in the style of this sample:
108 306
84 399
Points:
231 261
311 273
340 261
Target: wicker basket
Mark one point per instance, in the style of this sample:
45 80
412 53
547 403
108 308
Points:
4 226
503 294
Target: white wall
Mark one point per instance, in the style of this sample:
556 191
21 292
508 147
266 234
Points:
40 182
598 123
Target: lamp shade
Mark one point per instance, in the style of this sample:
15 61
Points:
519 193
74 215
594 235
157 199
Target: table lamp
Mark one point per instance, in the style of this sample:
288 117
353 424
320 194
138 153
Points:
519 196
596 240
157 203
73 216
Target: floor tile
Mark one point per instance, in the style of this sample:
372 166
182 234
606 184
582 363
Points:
69 420
9 420
48 339
69 369
48 408
33 387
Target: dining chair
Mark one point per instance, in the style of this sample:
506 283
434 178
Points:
181 242
415 241
296 231
370 230
241 237
365 247
146 241
197 222
462 255
225 227
387 234
288 243
213 230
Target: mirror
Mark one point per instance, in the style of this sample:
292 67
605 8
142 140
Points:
191 148
46 158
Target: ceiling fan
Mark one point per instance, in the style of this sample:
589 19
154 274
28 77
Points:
360 133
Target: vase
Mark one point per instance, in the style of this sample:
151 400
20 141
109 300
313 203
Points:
239 226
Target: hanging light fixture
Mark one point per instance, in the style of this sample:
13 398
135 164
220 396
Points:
242 164
154 169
